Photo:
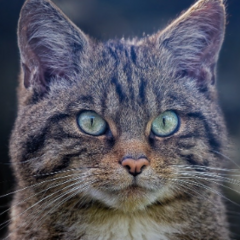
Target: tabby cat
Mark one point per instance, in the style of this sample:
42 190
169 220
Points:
118 140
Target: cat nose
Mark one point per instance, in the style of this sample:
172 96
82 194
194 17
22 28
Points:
135 166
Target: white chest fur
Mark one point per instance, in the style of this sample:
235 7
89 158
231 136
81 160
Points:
128 228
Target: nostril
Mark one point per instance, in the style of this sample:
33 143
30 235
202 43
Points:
144 166
128 167
141 164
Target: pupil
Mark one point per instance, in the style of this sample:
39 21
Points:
91 121
164 121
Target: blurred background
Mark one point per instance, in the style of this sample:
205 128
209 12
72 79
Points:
103 19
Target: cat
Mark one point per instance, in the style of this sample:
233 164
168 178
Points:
120 139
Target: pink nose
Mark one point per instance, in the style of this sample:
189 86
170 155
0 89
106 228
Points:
135 167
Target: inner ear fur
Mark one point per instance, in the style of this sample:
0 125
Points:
191 44
51 46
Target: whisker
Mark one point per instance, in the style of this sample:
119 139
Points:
78 178
31 186
205 168
63 171
32 206
218 183
211 190
65 200
182 183
38 203
45 181
209 176
45 190
42 210
226 157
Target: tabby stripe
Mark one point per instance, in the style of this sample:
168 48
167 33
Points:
190 159
128 70
64 163
63 135
118 89
213 142
142 91
36 142
86 99
36 97
56 118
113 54
83 99
104 101
133 55
189 135
186 146
158 97
126 53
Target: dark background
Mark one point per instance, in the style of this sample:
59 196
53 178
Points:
103 19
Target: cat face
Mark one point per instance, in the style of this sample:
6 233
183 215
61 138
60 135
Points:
117 122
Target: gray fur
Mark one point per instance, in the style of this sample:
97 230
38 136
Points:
128 83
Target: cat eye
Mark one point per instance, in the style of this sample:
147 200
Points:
91 123
165 124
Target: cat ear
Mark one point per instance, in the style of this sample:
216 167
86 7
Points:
191 44
50 45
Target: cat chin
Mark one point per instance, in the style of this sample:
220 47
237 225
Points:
131 199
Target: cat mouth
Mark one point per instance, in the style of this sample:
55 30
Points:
134 187
132 195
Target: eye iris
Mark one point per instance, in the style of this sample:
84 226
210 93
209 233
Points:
165 124
91 123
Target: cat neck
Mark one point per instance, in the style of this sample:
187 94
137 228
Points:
115 224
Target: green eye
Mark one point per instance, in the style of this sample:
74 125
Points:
91 123
165 124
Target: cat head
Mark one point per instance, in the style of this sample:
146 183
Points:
117 122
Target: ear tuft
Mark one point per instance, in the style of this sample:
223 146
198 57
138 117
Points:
51 46
191 44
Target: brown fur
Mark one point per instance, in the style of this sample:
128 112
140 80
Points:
71 185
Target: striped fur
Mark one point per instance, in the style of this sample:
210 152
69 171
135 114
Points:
74 186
